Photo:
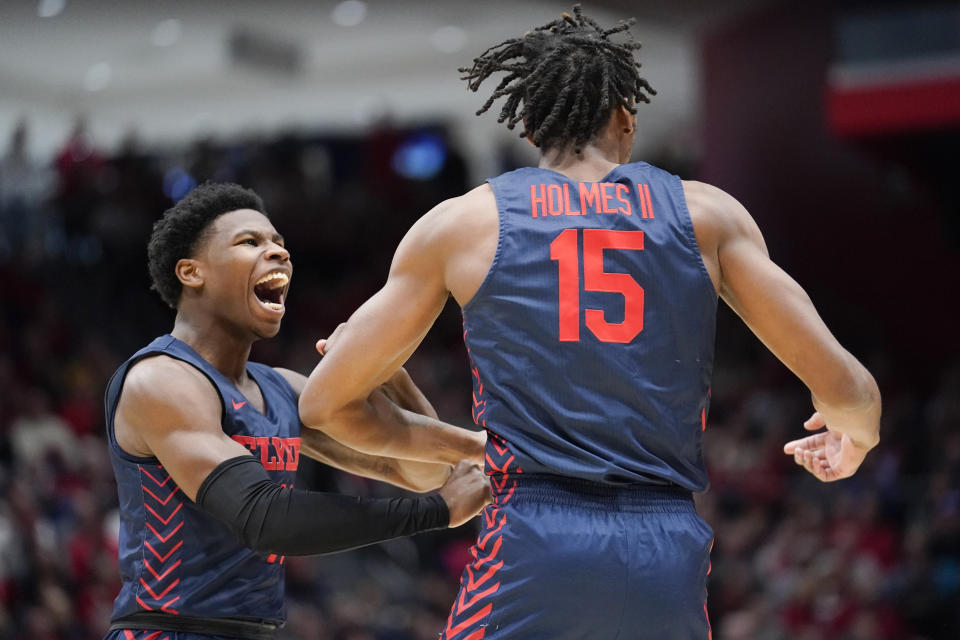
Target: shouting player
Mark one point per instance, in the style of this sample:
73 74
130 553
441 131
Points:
204 523
589 288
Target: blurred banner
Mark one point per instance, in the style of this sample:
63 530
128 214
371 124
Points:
895 70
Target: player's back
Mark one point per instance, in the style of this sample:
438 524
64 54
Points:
591 338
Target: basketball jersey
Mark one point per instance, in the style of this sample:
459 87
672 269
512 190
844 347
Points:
174 557
591 338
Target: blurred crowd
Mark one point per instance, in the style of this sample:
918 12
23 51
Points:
875 557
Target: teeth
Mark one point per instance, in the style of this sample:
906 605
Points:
273 305
276 279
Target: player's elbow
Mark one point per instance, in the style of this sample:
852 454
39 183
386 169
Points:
315 410
320 408
341 421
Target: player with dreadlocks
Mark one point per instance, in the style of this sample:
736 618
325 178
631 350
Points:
589 288
568 74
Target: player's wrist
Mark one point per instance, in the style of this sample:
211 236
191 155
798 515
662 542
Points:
864 445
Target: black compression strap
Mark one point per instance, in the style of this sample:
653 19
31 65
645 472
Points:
274 519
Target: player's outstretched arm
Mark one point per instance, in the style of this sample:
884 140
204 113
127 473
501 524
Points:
407 474
170 411
781 314
373 344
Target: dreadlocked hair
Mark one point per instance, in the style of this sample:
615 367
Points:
563 79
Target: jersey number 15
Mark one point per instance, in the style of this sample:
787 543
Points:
564 249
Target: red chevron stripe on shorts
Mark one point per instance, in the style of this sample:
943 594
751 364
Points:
147 635
163 531
478 583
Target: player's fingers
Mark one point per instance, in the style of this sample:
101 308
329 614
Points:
814 465
815 422
799 456
336 333
818 470
324 344
793 445
807 462
830 472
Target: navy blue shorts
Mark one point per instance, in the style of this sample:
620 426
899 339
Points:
560 558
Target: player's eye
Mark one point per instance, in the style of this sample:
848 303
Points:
251 241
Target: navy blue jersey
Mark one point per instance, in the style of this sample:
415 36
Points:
174 557
591 338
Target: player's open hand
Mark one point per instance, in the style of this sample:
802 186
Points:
828 455
466 492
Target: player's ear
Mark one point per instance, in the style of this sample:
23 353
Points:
529 136
624 120
188 273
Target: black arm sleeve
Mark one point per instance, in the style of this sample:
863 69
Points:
273 519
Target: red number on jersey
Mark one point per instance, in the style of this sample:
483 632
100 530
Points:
564 250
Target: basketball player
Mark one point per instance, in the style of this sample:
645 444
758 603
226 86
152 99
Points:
589 289
204 523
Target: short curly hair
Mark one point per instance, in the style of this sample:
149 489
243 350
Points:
183 227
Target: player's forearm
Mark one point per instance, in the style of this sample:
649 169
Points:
407 474
270 518
318 446
383 429
403 392
852 406
424 438
421 476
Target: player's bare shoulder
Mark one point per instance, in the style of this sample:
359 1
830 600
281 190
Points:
715 210
464 231
718 220
160 391
464 216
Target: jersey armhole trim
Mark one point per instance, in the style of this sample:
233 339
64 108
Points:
686 224
278 378
111 427
501 231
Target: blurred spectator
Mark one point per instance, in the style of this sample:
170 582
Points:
37 432
22 187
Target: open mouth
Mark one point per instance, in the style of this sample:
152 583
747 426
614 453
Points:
271 289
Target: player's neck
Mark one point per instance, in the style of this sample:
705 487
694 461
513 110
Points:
593 162
225 350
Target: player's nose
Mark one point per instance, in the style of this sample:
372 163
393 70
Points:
278 253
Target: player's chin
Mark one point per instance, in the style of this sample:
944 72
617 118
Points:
266 317
266 330
266 326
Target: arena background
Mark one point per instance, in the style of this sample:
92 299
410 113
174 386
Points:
836 124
